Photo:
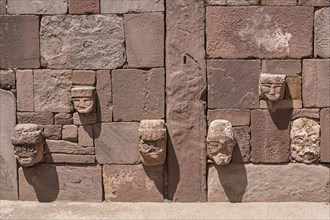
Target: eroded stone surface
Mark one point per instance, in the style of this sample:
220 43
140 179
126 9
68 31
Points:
24 90
67 147
308 113
53 132
37 6
241 152
83 98
84 6
104 96
84 119
325 135
63 119
124 6
281 104
7 79
271 86
70 133
315 3
101 37
322 32
237 117
69 158
286 67
41 118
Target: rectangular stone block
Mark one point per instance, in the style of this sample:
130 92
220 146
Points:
237 117
286 67
19 41
67 147
3 7
325 135
309 113
133 183
117 143
233 2
24 90
279 2
48 182
315 83
83 77
322 32
270 136
37 7
227 80
63 119
84 6
104 96
263 32
138 94
53 132
281 104
268 183
7 79
69 158
42 118
315 3
241 152
61 41
84 119
70 133
85 135
125 6
293 88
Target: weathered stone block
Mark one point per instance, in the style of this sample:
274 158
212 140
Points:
85 135
7 79
3 7
63 119
125 6
19 41
138 94
61 41
52 90
281 104
104 96
308 113
264 32
24 90
133 183
315 83
322 32
325 135
8 164
48 182
144 34
37 7
279 2
268 183
83 77
53 132
232 76
270 136
67 147
84 6
315 3
286 67
117 143
70 133
84 119
293 88
237 117
41 118
69 158
233 2
241 153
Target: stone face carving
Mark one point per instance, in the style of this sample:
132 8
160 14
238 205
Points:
271 86
305 140
28 144
152 144
220 142
83 99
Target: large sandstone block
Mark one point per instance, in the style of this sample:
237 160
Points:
117 143
84 6
125 6
316 78
322 32
133 183
325 135
264 32
8 167
24 90
52 90
47 182
237 117
19 41
286 67
37 6
82 42
138 94
268 183
270 136
104 96
227 80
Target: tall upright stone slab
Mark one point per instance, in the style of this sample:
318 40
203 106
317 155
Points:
8 172
185 86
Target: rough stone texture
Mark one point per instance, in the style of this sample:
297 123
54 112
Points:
101 37
325 135
7 79
53 132
69 158
279 2
237 117
19 41
270 136
84 6
117 143
125 6
52 90
264 32
84 119
308 113
241 153
47 183
3 7
316 78
293 88
83 77
322 32
315 3
133 183
104 96
281 104
67 147
24 90
286 67
37 6
70 133
63 119
268 183
144 35
233 2
42 118
138 94
232 76
185 100
85 135
8 167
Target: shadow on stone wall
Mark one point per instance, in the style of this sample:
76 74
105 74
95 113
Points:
173 165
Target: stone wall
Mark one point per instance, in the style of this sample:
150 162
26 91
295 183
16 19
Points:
186 62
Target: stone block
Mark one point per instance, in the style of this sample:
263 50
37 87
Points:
37 7
53 132
322 32
84 119
104 96
61 41
233 2
63 119
144 34
315 3
19 41
237 117
70 133
69 158
138 94
24 90
48 182
85 135
293 88
241 153
279 2
232 76
315 83
7 79
125 6
67 147
263 32
286 67
325 135
133 183
8 164
270 136
52 90
281 104
3 7
268 183
41 118
83 77
84 6
308 113
117 143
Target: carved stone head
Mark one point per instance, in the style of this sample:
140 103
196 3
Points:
28 144
152 145
220 142
271 87
83 98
